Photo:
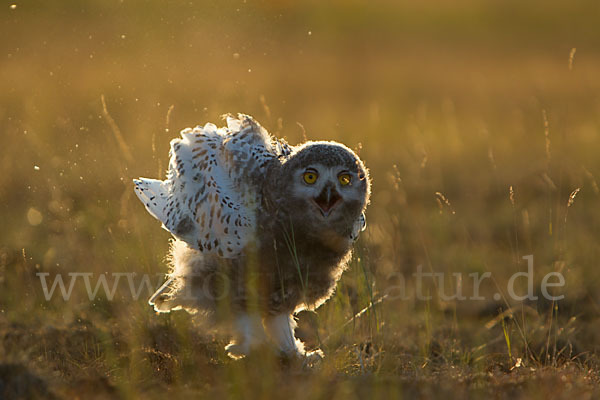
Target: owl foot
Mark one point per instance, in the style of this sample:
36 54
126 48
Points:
315 355
249 334
163 300
281 330
163 304
302 360
237 351
312 358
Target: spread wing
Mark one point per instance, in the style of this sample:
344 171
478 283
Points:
212 188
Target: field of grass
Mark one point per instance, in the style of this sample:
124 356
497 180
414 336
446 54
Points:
479 121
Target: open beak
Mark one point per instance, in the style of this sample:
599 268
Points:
327 199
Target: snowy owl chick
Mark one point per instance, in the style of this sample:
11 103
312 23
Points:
262 229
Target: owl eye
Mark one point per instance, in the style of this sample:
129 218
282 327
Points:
344 179
310 177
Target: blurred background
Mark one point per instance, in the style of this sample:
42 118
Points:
479 121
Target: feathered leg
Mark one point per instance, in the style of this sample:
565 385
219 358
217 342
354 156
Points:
281 330
249 333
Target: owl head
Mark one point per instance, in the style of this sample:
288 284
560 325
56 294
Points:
323 186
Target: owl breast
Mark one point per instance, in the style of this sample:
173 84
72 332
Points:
301 266
305 281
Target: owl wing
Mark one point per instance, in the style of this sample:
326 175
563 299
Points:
212 190
359 225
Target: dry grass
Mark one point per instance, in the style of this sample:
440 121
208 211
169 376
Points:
479 122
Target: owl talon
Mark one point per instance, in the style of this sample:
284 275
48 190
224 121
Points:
237 351
316 354
305 360
249 335
312 358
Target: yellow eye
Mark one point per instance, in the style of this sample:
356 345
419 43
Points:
310 177
344 179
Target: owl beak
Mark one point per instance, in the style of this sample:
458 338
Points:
327 199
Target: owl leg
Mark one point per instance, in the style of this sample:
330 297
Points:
249 333
281 330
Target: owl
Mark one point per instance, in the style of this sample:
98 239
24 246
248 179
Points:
261 229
